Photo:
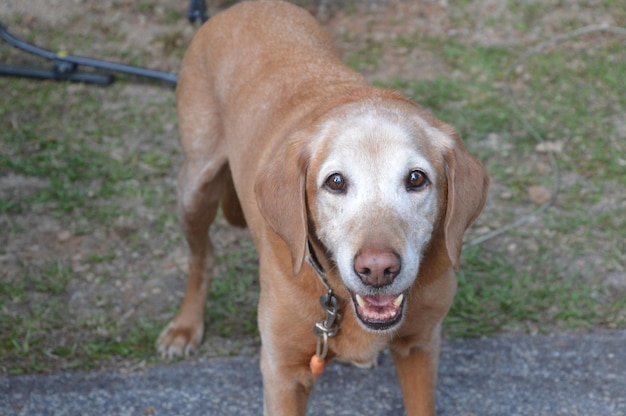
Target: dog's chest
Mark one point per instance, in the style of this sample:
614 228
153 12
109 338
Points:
356 346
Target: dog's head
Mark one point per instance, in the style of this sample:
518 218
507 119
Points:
373 181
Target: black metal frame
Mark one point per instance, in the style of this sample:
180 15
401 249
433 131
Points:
65 66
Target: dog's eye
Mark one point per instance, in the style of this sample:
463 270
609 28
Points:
416 180
336 183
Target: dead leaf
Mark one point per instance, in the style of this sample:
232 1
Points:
539 195
64 236
554 147
544 168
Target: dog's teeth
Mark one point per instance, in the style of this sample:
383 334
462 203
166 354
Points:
398 300
359 300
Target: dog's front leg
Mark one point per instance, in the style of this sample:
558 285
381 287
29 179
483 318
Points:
286 386
417 372
287 378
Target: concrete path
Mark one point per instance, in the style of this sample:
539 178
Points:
543 375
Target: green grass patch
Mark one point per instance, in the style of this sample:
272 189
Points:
32 309
493 296
86 162
38 330
579 97
57 150
59 138
232 305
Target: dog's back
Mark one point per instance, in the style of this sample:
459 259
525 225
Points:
286 57
286 68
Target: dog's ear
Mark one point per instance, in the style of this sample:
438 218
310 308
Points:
280 196
468 183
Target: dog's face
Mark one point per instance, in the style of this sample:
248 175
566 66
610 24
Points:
372 181
373 195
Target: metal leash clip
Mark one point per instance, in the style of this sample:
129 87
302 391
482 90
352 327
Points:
329 326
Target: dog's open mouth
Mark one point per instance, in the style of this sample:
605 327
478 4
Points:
379 312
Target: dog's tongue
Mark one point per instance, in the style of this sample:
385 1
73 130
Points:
378 307
379 300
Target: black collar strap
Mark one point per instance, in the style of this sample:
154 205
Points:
313 261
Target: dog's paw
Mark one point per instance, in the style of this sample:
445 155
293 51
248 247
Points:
179 340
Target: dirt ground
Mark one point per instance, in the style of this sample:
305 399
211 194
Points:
150 264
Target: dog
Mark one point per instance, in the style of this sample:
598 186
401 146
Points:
357 200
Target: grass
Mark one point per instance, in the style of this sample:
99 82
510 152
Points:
54 140
99 164
232 304
40 332
493 296
73 152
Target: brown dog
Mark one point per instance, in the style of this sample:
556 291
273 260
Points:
374 191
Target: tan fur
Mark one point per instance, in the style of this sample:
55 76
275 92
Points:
261 95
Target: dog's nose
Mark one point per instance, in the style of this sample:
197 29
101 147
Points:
377 267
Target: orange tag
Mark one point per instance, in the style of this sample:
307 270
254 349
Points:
317 365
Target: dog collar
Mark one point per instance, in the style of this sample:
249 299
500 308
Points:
311 258
329 326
